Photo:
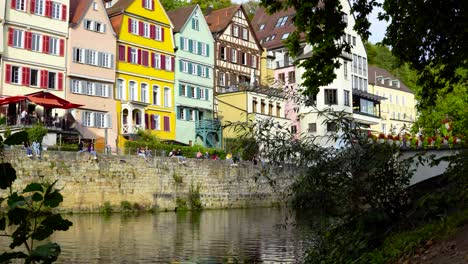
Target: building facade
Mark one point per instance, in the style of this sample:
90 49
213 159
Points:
399 107
144 87
34 57
194 78
91 71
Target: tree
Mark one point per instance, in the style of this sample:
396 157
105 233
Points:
429 35
174 4
204 4
251 7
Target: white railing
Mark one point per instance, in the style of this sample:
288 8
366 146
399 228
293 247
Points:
131 128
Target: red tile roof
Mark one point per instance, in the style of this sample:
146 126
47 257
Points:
218 20
269 21
119 7
116 22
179 16
374 71
77 10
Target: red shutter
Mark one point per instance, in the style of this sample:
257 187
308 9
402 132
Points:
129 54
152 31
140 28
8 73
163 62
60 81
27 40
33 6
13 4
139 56
173 63
166 124
162 34
25 78
121 53
10 36
249 60
153 63
62 47
45 44
44 79
228 53
143 3
219 51
129 25
146 121
64 12
48 10
145 58
239 57
152 4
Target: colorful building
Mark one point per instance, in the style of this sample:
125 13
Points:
91 71
2 26
34 57
144 87
399 107
194 78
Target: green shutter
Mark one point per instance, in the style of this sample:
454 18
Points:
207 50
181 67
208 72
180 90
199 70
198 92
190 45
182 43
190 68
206 94
193 23
199 48
178 112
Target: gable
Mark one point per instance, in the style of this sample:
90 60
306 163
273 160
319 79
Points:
157 13
99 15
203 32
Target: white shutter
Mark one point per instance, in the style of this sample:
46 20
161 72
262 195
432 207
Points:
108 121
103 28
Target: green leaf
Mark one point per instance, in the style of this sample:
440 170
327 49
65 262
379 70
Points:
20 235
7 175
17 215
47 253
2 223
33 187
17 138
53 199
7 256
37 197
15 200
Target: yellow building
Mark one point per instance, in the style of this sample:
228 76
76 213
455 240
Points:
144 87
399 108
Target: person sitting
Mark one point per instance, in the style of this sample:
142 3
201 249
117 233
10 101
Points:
172 153
147 152
80 146
141 152
91 150
199 155
229 158
207 155
180 157
56 121
36 146
27 147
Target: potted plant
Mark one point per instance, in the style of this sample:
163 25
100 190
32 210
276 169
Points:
397 140
381 138
390 140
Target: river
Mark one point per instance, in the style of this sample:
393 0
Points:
210 236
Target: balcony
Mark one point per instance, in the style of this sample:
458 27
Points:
283 64
366 107
209 131
131 129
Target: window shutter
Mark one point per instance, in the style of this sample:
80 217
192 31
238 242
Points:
172 64
140 28
10 36
219 52
139 56
25 79
207 72
163 62
152 31
189 68
152 4
200 48
129 25
44 79
190 45
166 124
121 53
198 92
239 57
199 70
146 58
182 43
153 62
146 120
152 121
207 49
8 73
162 34
143 3
45 44
206 94
27 40
193 23
62 47
33 6
129 54
13 4
48 10
178 116
60 81
181 65
108 120
64 12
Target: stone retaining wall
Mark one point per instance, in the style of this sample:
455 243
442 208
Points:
155 183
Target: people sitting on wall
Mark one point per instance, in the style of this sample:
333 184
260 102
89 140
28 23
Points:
27 147
36 146
207 155
91 150
179 156
141 152
172 153
148 152
199 155
229 158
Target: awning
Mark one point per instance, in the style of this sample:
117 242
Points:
44 99
12 99
47 102
367 95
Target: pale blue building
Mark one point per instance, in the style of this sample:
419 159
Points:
194 78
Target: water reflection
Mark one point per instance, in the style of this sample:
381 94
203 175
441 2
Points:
251 236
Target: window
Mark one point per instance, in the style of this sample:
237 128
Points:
312 127
39 8
185 44
254 105
183 90
146 30
292 77
204 49
202 94
34 77
204 71
222 81
293 130
88 24
192 92
281 78
184 66
195 24
87 119
15 75
181 113
285 36
120 89
254 62
21 5
194 69
330 97
133 91
156 95
18 38
354 41
270 108
331 127
281 22
148 4
235 30
345 69
245 33
36 42
99 27
158 33
54 46
167 97
100 120
278 110
95 6
144 93
168 64
222 51
262 26
195 46
346 98
234 56
52 81
262 106
133 55
56 8
134 26
157 61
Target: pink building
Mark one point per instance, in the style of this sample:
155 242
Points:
91 70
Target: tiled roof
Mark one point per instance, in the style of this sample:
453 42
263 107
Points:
77 10
374 71
119 7
269 21
179 16
218 20
116 22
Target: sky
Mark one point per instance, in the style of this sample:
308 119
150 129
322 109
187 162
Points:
377 27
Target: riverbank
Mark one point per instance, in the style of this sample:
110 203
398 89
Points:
153 184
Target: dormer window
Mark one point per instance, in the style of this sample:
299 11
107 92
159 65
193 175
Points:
195 24
148 4
281 22
396 83
285 36
262 26
95 6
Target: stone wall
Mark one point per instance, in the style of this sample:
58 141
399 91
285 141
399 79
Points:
155 183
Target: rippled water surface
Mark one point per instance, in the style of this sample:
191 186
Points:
212 236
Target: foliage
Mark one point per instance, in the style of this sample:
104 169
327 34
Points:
64 147
126 206
251 7
17 138
181 204
194 197
177 178
204 4
37 132
431 42
247 147
107 208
